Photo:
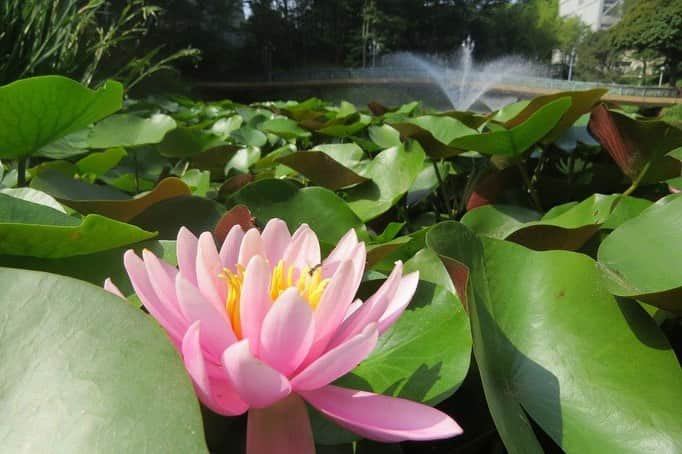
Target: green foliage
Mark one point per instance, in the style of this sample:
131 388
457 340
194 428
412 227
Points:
654 25
558 281
87 40
64 105
673 115
317 33
514 320
640 268
106 384
597 58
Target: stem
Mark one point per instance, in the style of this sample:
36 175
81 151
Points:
544 156
434 205
571 167
474 175
137 175
529 187
21 172
443 190
638 180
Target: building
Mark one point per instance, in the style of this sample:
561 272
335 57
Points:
598 14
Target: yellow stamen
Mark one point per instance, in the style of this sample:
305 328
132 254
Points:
234 290
309 284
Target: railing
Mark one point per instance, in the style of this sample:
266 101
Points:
453 77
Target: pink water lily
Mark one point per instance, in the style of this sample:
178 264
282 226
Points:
264 325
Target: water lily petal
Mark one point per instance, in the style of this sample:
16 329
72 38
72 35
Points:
377 304
280 428
334 303
258 384
162 278
337 362
381 418
255 300
209 267
110 287
252 245
216 394
354 306
144 290
359 260
287 332
229 251
402 298
216 330
276 238
304 249
342 252
186 248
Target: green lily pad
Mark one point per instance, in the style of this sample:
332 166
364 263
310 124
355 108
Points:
183 142
582 102
27 228
384 136
74 352
568 230
63 106
641 257
518 139
326 213
167 216
435 133
128 130
583 391
285 128
392 173
100 162
322 169
34 196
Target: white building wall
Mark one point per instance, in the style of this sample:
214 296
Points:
598 14
589 11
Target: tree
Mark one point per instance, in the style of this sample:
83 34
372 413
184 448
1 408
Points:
652 25
597 59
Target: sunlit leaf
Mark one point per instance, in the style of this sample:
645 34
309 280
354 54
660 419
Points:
74 352
63 106
39 231
583 391
127 130
641 257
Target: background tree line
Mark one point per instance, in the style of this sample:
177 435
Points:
286 34
289 34
130 39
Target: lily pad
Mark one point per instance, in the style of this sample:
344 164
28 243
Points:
74 352
322 169
518 139
583 392
27 228
128 130
63 106
638 147
568 230
434 133
392 173
641 257
326 213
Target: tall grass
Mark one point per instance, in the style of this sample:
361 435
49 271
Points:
88 40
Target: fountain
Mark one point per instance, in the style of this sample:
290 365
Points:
466 59
464 83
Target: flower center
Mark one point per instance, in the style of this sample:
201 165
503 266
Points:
309 283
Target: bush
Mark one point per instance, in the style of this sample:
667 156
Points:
80 39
